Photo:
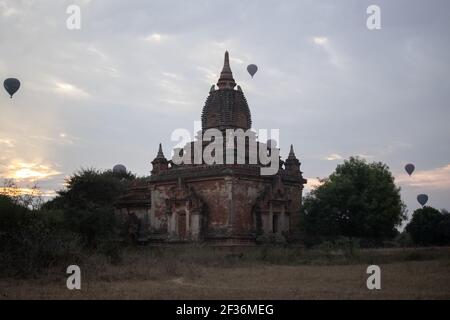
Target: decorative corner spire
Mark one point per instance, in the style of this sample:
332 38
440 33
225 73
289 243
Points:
160 153
226 80
160 163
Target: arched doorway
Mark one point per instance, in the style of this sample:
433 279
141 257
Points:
181 223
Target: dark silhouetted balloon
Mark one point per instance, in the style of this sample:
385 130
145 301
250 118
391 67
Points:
119 169
11 85
422 199
410 168
252 69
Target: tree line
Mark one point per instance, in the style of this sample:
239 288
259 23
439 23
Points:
359 202
79 220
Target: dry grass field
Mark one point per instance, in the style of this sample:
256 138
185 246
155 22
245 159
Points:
187 272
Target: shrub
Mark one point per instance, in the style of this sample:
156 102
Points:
404 240
112 250
92 225
35 241
429 227
275 238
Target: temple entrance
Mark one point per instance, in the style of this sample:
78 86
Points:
181 225
275 222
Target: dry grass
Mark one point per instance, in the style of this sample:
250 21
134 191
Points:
247 273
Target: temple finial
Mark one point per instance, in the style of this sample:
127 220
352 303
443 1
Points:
226 80
160 163
226 63
292 153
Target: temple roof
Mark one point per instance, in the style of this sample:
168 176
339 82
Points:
160 152
226 80
292 153
160 156
226 108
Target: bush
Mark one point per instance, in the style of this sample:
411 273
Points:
92 225
429 227
311 241
275 238
404 240
112 250
347 247
80 217
34 241
11 214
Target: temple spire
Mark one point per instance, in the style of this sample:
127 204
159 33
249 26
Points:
160 163
160 153
292 164
292 153
226 80
226 63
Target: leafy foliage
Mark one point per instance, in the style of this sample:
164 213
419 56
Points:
82 216
88 203
31 199
428 226
359 200
91 188
11 214
32 240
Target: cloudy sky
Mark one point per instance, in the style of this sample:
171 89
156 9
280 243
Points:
136 70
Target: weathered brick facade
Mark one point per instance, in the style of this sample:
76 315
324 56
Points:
218 203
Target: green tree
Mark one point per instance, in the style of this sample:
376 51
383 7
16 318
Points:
88 203
32 240
12 214
359 200
91 188
31 199
428 226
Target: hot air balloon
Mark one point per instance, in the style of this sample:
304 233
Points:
410 168
11 85
252 69
119 169
422 199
